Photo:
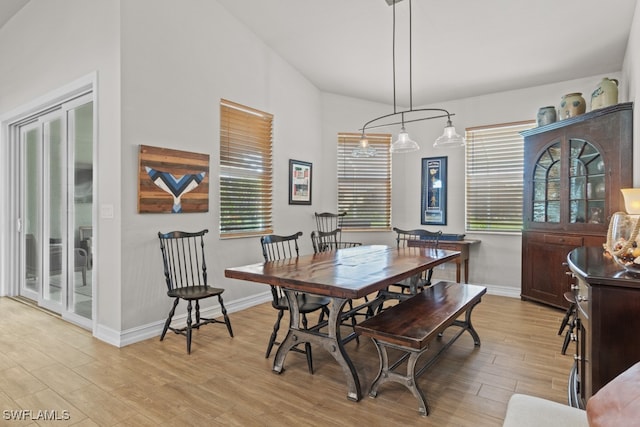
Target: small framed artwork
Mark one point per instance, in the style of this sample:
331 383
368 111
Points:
434 191
299 182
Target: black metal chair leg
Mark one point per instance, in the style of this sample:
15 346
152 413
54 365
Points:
274 334
168 321
307 350
189 326
197 314
224 314
565 320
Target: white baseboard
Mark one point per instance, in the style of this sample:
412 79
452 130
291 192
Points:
504 291
152 330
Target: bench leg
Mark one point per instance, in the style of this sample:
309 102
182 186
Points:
386 374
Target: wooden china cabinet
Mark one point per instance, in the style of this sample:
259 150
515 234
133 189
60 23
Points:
573 172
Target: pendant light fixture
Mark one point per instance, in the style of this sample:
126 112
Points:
404 143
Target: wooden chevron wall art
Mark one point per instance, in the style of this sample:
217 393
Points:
172 181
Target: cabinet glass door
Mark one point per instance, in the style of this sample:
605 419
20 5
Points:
546 185
586 183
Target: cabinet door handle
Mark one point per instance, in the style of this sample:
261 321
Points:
577 358
582 298
575 287
570 273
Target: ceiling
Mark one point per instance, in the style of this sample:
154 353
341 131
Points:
461 48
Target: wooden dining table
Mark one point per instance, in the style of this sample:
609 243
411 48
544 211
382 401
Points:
341 275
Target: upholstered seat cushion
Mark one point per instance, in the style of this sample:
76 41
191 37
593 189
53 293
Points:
530 411
618 402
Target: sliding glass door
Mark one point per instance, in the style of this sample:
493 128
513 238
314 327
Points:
56 151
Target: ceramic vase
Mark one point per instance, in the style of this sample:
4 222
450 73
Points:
546 115
605 94
571 105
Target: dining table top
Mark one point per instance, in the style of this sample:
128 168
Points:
345 273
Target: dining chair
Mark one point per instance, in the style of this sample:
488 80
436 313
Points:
422 238
328 241
277 247
405 238
329 229
185 273
327 221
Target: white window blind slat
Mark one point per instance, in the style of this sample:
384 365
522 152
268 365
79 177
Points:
364 183
494 177
246 173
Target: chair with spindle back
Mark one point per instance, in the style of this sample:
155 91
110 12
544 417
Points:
276 247
422 238
327 221
406 238
329 241
185 273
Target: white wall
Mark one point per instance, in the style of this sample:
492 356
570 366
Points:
631 90
497 260
46 46
178 60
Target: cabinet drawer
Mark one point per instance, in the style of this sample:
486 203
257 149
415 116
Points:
554 239
583 299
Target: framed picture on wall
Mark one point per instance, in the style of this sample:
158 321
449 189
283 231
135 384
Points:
434 191
299 182
172 181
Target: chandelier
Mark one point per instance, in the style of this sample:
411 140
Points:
404 144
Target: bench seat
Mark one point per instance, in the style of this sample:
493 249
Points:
410 326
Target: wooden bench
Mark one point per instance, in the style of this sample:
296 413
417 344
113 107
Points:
410 326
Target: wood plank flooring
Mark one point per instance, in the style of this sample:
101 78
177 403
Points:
48 364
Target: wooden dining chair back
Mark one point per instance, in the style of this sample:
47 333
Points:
426 238
185 272
277 247
407 238
329 241
327 221
422 238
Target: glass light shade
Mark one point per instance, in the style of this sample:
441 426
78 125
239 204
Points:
364 149
449 138
404 144
631 200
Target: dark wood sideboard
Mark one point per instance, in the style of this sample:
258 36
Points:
607 334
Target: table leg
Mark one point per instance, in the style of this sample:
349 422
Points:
466 271
330 341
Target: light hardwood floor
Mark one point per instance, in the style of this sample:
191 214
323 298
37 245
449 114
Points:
48 364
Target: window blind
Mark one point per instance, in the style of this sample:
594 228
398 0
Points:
246 175
494 177
364 183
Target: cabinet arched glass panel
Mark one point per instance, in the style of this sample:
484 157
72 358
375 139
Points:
546 185
587 190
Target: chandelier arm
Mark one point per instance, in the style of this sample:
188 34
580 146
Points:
367 125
